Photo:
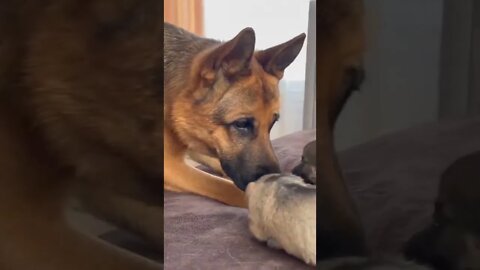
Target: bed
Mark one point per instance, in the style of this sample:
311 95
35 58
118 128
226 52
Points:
393 179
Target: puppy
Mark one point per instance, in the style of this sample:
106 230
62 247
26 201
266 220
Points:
282 213
307 169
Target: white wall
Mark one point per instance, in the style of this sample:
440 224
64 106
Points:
274 22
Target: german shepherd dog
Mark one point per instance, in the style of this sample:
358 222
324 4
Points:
81 115
221 100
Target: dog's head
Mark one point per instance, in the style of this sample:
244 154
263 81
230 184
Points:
233 102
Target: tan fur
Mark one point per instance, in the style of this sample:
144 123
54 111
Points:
282 212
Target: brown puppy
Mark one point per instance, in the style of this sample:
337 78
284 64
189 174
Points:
307 169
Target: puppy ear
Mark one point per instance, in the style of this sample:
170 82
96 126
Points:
232 57
276 59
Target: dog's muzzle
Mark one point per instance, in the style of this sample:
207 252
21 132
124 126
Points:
242 177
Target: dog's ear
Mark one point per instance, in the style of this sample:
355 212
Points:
276 59
232 57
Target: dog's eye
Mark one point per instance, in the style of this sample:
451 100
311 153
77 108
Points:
243 124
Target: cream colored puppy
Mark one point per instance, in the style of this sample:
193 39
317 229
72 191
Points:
282 212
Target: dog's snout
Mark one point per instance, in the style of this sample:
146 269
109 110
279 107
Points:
242 173
266 169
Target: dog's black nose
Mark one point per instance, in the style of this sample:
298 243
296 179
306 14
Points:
265 169
242 176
